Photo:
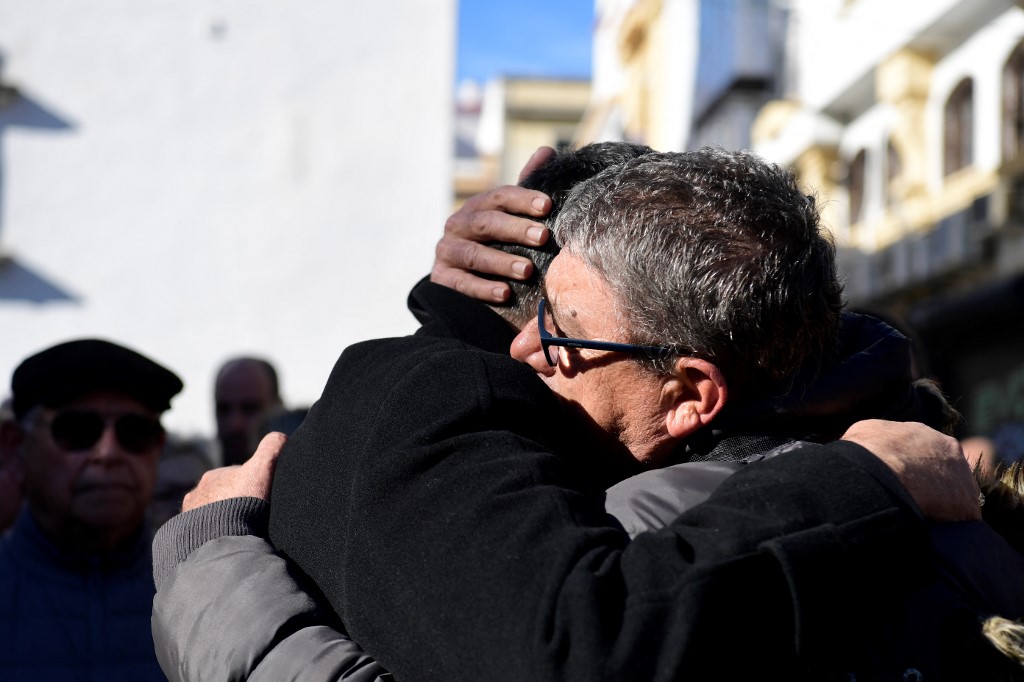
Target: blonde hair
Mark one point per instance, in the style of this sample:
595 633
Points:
1003 489
1007 636
1003 509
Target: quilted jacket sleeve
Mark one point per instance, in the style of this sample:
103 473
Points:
228 607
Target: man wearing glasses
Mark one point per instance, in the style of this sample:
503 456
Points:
76 585
448 503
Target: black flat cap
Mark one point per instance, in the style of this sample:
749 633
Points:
67 371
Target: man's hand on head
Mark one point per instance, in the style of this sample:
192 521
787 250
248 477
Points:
930 465
492 216
251 479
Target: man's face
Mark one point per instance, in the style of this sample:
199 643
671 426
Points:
620 397
95 495
243 396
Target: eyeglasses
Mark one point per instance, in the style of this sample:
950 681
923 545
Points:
76 430
551 343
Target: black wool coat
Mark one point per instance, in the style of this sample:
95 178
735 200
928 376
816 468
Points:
445 504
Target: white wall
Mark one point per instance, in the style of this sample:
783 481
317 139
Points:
682 18
840 42
981 58
199 179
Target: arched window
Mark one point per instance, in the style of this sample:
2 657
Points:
1013 104
855 185
960 127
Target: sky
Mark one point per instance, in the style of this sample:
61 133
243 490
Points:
524 38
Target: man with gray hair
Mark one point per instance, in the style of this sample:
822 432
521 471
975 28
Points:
713 265
452 485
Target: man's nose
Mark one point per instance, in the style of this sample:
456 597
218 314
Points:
235 421
526 347
108 445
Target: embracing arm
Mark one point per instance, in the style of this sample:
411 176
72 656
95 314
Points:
228 606
459 516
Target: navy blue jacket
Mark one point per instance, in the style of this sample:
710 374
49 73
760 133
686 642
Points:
74 619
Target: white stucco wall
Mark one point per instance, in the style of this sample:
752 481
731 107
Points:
870 133
201 179
682 19
981 58
840 42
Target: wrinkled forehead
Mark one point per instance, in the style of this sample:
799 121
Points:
569 269
580 296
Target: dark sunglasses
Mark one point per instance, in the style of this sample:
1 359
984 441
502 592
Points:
76 430
550 343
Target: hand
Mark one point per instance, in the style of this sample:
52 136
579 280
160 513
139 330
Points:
251 479
488 217
931 466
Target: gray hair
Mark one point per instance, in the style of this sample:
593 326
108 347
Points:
556 178
718 254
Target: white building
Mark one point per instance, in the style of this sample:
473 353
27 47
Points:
907 119
870 125
203 179
906 122
682 74
644 72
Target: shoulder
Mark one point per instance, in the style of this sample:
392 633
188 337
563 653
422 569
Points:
409 376
444 312
653 499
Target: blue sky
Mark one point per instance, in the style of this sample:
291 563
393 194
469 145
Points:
524 38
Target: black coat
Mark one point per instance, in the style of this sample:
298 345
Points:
441 499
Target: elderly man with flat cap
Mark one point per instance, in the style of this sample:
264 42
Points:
76 583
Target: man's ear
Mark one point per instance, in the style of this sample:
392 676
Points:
694 395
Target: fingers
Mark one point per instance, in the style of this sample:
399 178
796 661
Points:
455 259
260 467
930 465
258 470
491 225
483 216
460 256
210 488
252 479
267 452
536 160
947 491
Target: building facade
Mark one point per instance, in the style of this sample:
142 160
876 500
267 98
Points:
904 120
681 74
907 121
644 71
520 114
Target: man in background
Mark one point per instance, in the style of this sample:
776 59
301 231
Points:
245 393
76 586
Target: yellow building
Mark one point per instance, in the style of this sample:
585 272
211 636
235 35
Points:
907 121
643 73
521 114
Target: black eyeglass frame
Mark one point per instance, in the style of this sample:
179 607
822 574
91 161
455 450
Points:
547 340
